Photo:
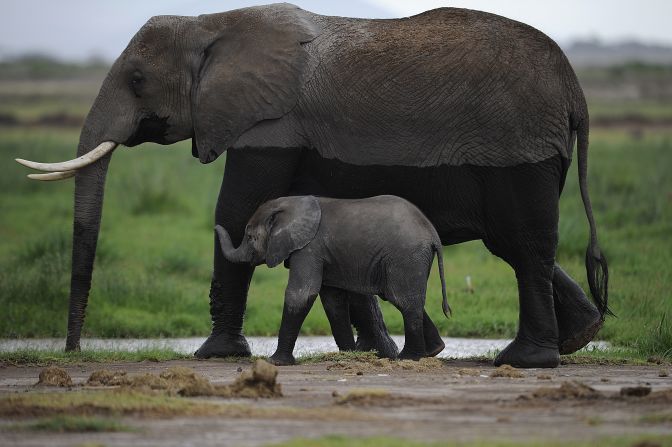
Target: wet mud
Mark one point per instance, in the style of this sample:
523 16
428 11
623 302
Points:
220 403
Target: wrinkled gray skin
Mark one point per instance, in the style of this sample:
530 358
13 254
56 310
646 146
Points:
470 116
381 245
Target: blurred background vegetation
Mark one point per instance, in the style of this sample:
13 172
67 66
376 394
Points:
154 260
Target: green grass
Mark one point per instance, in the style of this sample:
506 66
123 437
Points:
153 266
347 441
74 424
33 357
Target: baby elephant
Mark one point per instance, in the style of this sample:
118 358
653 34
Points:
381 246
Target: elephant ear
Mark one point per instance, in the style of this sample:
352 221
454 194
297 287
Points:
294 224
253 70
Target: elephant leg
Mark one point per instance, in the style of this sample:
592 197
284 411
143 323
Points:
414 340
578 318
522 229
367 319
433 342
336 307
372 334
536 344
294 313
251 177
305 280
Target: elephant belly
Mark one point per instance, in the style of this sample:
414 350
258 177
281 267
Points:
460 201
353 276
448 195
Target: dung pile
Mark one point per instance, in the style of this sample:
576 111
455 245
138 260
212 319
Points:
54 376
105 377
507 371
635 391
567 390
260 381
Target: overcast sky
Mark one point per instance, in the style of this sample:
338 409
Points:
78 29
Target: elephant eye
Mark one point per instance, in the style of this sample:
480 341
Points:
136 83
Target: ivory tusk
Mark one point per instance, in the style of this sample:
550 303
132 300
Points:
53 176
90 157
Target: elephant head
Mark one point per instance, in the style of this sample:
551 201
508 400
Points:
209 78
276 230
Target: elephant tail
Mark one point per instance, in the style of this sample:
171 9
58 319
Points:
447 311
596 262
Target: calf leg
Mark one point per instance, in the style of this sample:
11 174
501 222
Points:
372 333
433 342
305 279
414 340
335 303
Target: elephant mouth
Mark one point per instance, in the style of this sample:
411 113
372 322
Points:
152 128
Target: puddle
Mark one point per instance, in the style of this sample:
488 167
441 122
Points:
262 346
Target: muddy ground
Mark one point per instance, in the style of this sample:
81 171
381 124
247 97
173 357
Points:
437 400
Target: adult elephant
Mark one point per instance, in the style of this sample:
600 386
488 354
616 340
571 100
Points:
469 115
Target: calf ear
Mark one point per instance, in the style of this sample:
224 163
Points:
294 225
253 70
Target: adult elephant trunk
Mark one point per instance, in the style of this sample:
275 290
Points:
242 254
89 169
89 191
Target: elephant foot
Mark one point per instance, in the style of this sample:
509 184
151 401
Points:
223 345
578 319
580 338
433 341
525 354
410 355
435 349
383 344
282 359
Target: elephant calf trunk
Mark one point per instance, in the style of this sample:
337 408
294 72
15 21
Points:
232 254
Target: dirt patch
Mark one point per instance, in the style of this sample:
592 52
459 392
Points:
103 402
374 364
127 402
664 396
544 377
374 397
567 390
260 381
54 376
507 371
647 443
472 372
